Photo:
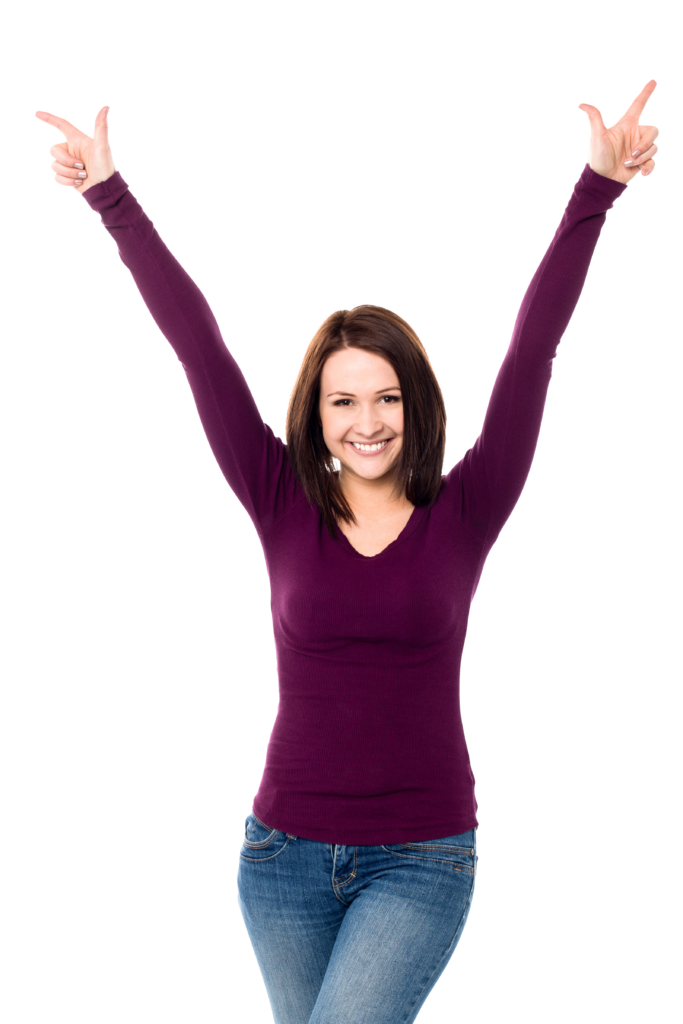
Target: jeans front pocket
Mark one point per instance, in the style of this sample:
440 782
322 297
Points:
262 842
460 851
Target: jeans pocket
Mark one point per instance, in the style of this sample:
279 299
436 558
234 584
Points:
261 842
459 850
256 833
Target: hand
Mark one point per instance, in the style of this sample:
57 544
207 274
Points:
94 153
611 148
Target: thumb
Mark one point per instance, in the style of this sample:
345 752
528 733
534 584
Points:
101 122
594 117
101 136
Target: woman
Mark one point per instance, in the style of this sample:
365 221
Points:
358 862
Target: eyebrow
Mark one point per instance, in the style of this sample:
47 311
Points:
348 394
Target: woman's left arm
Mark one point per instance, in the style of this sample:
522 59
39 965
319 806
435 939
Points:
626 149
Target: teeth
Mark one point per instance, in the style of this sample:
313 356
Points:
369 447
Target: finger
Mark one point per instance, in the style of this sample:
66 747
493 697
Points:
643 158
63 156
68 171
647 168
61 179
639 102
65 127
648 134
66 164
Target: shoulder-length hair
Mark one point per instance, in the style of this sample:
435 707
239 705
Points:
420 461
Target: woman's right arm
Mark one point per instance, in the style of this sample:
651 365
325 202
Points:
253 460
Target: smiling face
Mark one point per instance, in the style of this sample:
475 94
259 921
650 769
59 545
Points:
361 411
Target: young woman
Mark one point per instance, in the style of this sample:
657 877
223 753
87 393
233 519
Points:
358 862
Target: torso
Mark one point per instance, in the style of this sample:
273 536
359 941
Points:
374 533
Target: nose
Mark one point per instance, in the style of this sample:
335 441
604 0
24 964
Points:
369 426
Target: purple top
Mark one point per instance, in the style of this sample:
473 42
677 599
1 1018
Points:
368 745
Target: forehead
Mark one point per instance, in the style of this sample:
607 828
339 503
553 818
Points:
360 366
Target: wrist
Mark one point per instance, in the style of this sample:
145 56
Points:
91 182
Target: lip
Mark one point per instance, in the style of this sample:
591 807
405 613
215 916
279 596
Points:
369 455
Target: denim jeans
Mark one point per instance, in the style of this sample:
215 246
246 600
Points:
352 934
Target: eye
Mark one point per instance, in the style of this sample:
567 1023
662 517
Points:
391 397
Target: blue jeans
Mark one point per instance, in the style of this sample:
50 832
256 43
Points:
352 934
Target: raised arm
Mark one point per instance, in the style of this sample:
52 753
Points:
253 460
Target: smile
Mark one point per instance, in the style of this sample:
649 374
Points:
370 455
370 449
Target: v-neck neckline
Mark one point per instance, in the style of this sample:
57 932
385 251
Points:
410 522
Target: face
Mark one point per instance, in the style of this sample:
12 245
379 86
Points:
361 405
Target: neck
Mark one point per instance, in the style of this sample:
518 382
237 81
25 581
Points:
371 495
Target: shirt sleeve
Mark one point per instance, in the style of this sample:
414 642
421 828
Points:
484 487
253 460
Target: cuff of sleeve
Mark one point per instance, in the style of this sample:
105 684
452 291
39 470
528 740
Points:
100 195
600 184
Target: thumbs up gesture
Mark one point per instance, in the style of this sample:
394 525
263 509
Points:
627 148
94 155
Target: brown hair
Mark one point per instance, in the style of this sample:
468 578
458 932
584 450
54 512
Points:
420 461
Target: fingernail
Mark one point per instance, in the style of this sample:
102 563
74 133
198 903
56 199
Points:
78 165
636 152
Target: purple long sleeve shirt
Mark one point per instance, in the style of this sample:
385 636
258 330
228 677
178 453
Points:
368 745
